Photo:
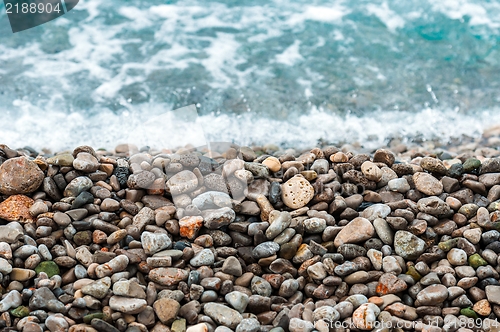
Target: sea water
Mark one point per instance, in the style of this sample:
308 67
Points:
290 72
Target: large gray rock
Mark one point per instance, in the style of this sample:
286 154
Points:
223 315
408 245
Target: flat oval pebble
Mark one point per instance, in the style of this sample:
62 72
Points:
182 182
376 211
427 184
154 242
222 314
399 185
358 230
432 295
315 225
127 305
272 163
86 162
265 249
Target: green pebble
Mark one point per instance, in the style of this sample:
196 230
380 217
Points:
471 164
20 312
476 261
83 238
49 267
88 318
448 245
288 250
412 272
468 312
494 225
179 325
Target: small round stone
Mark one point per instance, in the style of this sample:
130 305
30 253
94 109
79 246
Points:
272 163
457 256
297 192
371 171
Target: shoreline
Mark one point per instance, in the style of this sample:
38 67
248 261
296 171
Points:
245 240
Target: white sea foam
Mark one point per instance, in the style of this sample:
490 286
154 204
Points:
332 13
483 13
391 19
291 55
156 128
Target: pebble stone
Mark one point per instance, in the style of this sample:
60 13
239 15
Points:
223 314
297 192
407 245
358 230
19 175
248 239
427 184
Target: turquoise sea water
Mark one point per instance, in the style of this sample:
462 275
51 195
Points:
290 72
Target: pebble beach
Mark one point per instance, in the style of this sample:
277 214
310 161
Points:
248 239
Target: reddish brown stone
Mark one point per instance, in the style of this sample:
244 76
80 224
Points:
274 279
19 176
190 225
396 309
16 208
168 276
376 300
390 284
311 261
99 237
324 292
157 188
